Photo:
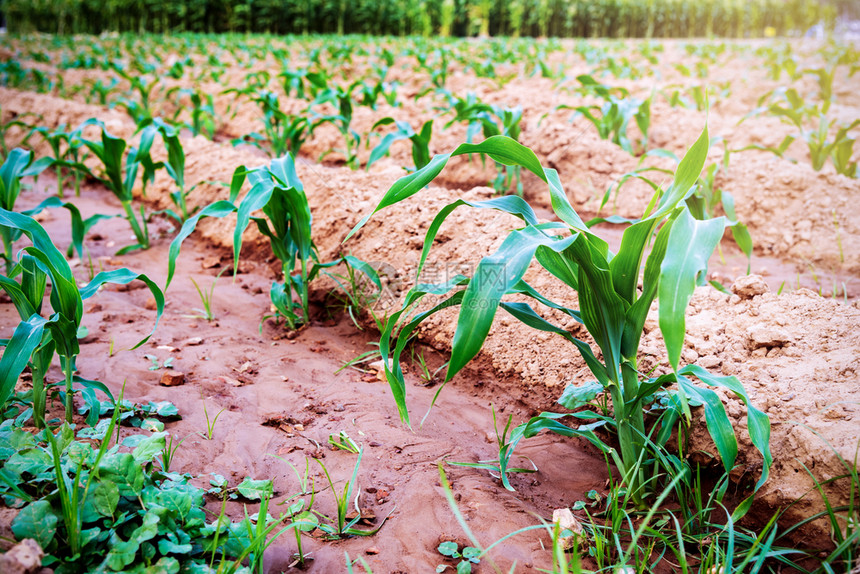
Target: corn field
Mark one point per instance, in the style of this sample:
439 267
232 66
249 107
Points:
558 18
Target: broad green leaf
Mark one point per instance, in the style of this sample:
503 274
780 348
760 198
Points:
494 275
29 461
719 426
218 209
690 244
758 423
37 521
254 489
510 204
149 447
124 471
105 497
26 337
686 175
575 397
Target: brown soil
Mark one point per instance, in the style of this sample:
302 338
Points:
795 352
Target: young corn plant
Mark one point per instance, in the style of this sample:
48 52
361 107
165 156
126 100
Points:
283 132
792 108
202 110
612 306
58 140
614 117
175 167
341 98
420 141
277 191
120 180
21 164
33 333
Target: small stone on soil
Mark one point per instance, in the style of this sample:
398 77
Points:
565 520
24 557
372 550
192 342
210 262
172 379
767 336
748 286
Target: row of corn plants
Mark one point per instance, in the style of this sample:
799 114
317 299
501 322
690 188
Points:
618 18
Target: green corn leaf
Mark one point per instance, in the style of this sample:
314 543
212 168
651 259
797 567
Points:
64 294
719 426
219 209
686 175
560 265
20 298
625 266
560 204
527 315
406 187
25 339
502 149
393 370
758 424
549 421
638 312
79 227
691 243
510 204
494 275
258 196
123 277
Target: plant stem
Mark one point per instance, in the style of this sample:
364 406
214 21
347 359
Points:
304 292
5 234
142 235
69 368
38 398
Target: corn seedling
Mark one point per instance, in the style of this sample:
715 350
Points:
355 292
612 308
420 141
156 364
202 110
175 167
67 305
279 193
615 113
341 99
5 126
120 180
57 139
283 132
139 109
